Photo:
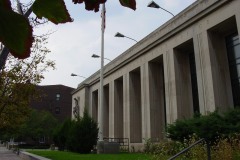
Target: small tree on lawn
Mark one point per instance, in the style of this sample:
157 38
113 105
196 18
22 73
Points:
83 134
61 134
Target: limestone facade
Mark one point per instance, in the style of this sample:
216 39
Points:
180 68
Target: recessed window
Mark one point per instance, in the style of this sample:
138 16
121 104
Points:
233 49
57 110
42 139
57 96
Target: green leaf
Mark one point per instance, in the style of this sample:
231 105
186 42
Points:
53 10
15 33
128 3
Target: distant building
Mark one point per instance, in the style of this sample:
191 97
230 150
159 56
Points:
56 99
189 64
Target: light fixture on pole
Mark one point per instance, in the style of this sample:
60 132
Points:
153 4
97 56
122 36
74 75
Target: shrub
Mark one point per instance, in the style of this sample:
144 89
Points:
164 148
61 134
83 134
78 135
224 148
232 119
209 127
180 130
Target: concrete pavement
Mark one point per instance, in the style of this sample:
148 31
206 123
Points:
6 154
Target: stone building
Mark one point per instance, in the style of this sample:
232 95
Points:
56 99
189 64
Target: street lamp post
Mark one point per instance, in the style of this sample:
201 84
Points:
97 56
74 75
122 36
153 4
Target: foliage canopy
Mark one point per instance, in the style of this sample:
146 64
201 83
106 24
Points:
17 84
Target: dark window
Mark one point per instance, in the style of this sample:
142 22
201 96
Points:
233 51
57 96
57 110
194 82
42 139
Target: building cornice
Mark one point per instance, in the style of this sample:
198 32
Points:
187 17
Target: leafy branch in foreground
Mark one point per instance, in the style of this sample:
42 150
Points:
16 32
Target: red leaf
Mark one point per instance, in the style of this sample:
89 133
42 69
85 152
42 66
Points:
91 5
129 3
5 4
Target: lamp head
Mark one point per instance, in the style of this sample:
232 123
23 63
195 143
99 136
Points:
73 74
119 35
95 56
153 5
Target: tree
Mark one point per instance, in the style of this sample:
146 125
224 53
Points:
61 134
39 124
83 134
79 135
17 25
17 84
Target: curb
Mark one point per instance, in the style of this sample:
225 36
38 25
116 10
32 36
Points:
30 156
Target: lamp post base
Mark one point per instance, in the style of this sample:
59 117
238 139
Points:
100 147
108 147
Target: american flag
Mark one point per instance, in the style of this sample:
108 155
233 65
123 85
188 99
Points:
103 15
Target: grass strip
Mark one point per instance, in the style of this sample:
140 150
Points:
64 155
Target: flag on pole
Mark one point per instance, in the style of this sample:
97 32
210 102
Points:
103 15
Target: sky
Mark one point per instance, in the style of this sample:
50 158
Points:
72 44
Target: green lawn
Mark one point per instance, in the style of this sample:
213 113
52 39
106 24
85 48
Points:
59 155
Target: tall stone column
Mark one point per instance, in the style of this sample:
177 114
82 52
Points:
170 87
146 126
204 73
126 106
111 109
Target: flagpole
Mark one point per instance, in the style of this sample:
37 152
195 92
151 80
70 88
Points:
101 75
100 144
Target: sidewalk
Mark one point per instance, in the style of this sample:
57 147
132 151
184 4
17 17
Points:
6 154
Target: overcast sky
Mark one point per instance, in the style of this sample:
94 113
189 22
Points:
72 44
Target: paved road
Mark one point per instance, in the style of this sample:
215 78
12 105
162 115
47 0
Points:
6 154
